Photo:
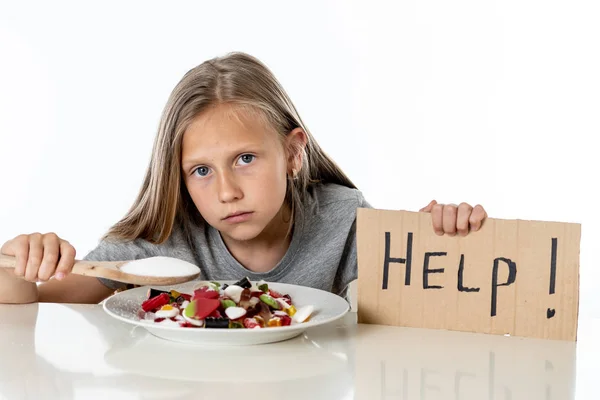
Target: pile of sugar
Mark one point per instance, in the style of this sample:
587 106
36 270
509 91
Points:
160 267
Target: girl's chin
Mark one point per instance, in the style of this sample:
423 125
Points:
241 233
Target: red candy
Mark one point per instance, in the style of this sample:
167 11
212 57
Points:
186 296
285 320
205 307
205 293
274 294
250 323
156 302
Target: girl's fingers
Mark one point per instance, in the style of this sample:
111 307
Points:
437 219
51 244
449 219
478 215
462 220
36 253
67 259
429 206
19 248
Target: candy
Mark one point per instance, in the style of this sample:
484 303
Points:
244 283
236 325
234 292
285 320
291 310
193 321
154 292
245 299
218 323
243 305
235 312
282 303
167 311
251 323
205 293
201 308
287 299
156 302
303 313
226 303
271 302
264 314
263 287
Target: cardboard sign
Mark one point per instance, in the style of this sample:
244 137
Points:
511 277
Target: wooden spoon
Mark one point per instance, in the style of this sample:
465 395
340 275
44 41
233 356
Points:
158 271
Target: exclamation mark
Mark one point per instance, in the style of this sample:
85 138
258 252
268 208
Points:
551 311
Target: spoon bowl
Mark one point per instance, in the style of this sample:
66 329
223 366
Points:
158 271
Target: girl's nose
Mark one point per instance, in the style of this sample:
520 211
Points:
229 190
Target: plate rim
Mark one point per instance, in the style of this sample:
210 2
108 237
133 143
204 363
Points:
289 328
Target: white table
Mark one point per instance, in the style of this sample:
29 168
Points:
54 351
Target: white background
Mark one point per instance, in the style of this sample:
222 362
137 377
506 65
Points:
491 102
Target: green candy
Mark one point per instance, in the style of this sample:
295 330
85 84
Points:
190 310
216 284
235 325
268 300
228 303
264 287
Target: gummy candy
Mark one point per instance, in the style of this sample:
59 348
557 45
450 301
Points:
235 312
211 322
244 283
156 302
243 305
271 302
226 303
302 314
251 323
206 293
234 292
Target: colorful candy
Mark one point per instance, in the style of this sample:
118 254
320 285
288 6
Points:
243 305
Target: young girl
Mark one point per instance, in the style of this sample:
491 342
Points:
236 185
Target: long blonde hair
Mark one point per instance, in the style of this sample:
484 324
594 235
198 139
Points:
236 78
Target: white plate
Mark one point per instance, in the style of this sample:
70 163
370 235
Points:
328 307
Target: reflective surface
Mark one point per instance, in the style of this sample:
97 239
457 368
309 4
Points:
53 351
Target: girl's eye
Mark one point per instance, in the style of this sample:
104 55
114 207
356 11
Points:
247 158
202 171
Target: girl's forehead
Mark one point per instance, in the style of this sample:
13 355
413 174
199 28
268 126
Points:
226 127
228 116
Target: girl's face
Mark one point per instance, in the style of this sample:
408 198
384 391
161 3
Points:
235 169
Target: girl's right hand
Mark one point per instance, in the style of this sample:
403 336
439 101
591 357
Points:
40 256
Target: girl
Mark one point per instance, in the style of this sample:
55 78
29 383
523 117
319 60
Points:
236 185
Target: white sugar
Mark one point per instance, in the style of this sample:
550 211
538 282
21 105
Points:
160 267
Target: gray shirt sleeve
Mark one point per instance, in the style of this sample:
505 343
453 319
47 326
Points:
348 268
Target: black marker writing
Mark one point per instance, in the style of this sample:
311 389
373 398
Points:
512 275
427 271
461 271
387 260
550 312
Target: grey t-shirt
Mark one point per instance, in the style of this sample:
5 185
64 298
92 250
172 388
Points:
322 252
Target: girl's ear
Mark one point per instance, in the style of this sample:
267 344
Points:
295 144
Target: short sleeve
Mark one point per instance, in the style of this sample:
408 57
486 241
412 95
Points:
348 268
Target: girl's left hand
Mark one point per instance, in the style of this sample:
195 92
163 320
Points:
451 219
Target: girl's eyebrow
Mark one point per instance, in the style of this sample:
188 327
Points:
200 159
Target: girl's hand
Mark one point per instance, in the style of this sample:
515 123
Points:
451 219
40 257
